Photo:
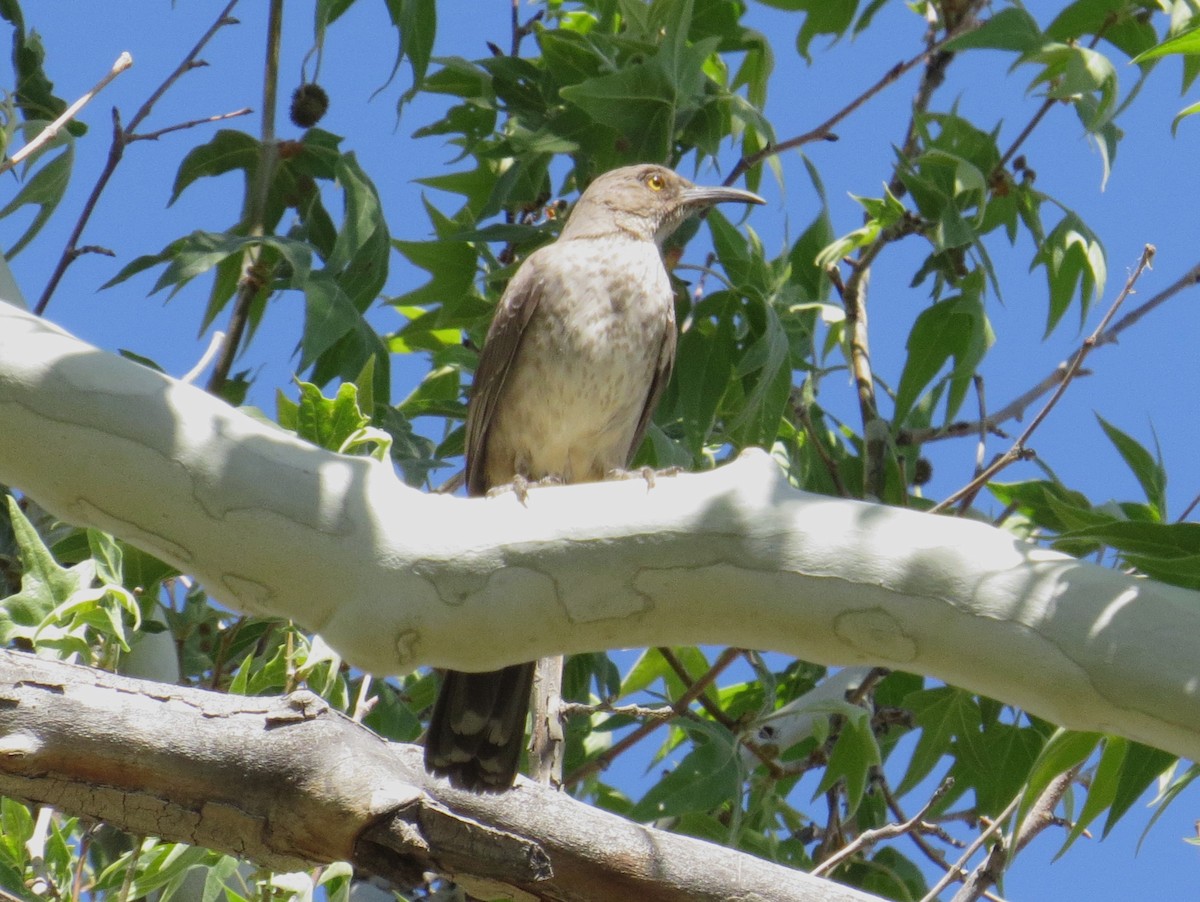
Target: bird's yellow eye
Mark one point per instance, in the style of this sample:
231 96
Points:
656 182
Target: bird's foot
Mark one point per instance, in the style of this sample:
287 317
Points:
521 485
647 473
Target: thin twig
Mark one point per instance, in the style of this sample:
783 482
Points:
964 504
824 131
854 294
934 855
1040 816
1015 409
981 449
577 709
547 738
188 63
956 19
117 150
1187 510
1019 450
714 711
205 358
191 123
601 761
801 412
363 702
253 280
124 61
1048 103
869 838
958 867
1187 280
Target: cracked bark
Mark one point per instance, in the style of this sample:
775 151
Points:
290 783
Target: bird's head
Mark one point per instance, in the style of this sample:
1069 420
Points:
646 201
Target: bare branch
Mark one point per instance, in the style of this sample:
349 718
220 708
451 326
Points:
124 61
958 866
254 278
824 131
1019 450
120 139
868 838
191 123
600 762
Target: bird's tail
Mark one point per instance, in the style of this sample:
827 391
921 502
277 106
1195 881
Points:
478 727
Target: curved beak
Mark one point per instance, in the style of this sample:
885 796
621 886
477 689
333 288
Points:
699 196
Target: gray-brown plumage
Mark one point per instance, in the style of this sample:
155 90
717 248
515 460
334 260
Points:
575 362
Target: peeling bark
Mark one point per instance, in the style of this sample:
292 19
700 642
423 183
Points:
290 783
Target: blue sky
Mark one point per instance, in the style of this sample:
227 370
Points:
1146 385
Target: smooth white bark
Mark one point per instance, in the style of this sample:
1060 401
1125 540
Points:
395 578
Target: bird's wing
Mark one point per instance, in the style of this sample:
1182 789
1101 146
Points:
662 375
500 349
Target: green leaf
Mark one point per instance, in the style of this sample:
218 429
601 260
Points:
1169 552
954 328
329 315
16 828
1122 24
740 257
648 102
942 714
706 778
226 151
854 755
1070 71
703 366
362 220
765 369
1064 750
416 21
1009 29
882 213
1141 766
44 584
1072 256
812 279
450 263
1148 469
329 422
820 17
1186 42
43 191
995 764
1191 110
34 92
167 862
1168 795
1102 790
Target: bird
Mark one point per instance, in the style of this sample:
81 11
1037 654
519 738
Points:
577 356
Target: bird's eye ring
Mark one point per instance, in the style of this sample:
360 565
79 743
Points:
656 182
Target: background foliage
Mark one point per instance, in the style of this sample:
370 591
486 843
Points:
773 332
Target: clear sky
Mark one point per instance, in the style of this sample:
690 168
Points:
1146 385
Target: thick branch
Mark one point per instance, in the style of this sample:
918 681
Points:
289 783
395 579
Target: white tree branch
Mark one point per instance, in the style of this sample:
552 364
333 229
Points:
395 578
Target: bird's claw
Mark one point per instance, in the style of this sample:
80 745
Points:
521 485
647 473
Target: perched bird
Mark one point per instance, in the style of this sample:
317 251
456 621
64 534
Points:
575 361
